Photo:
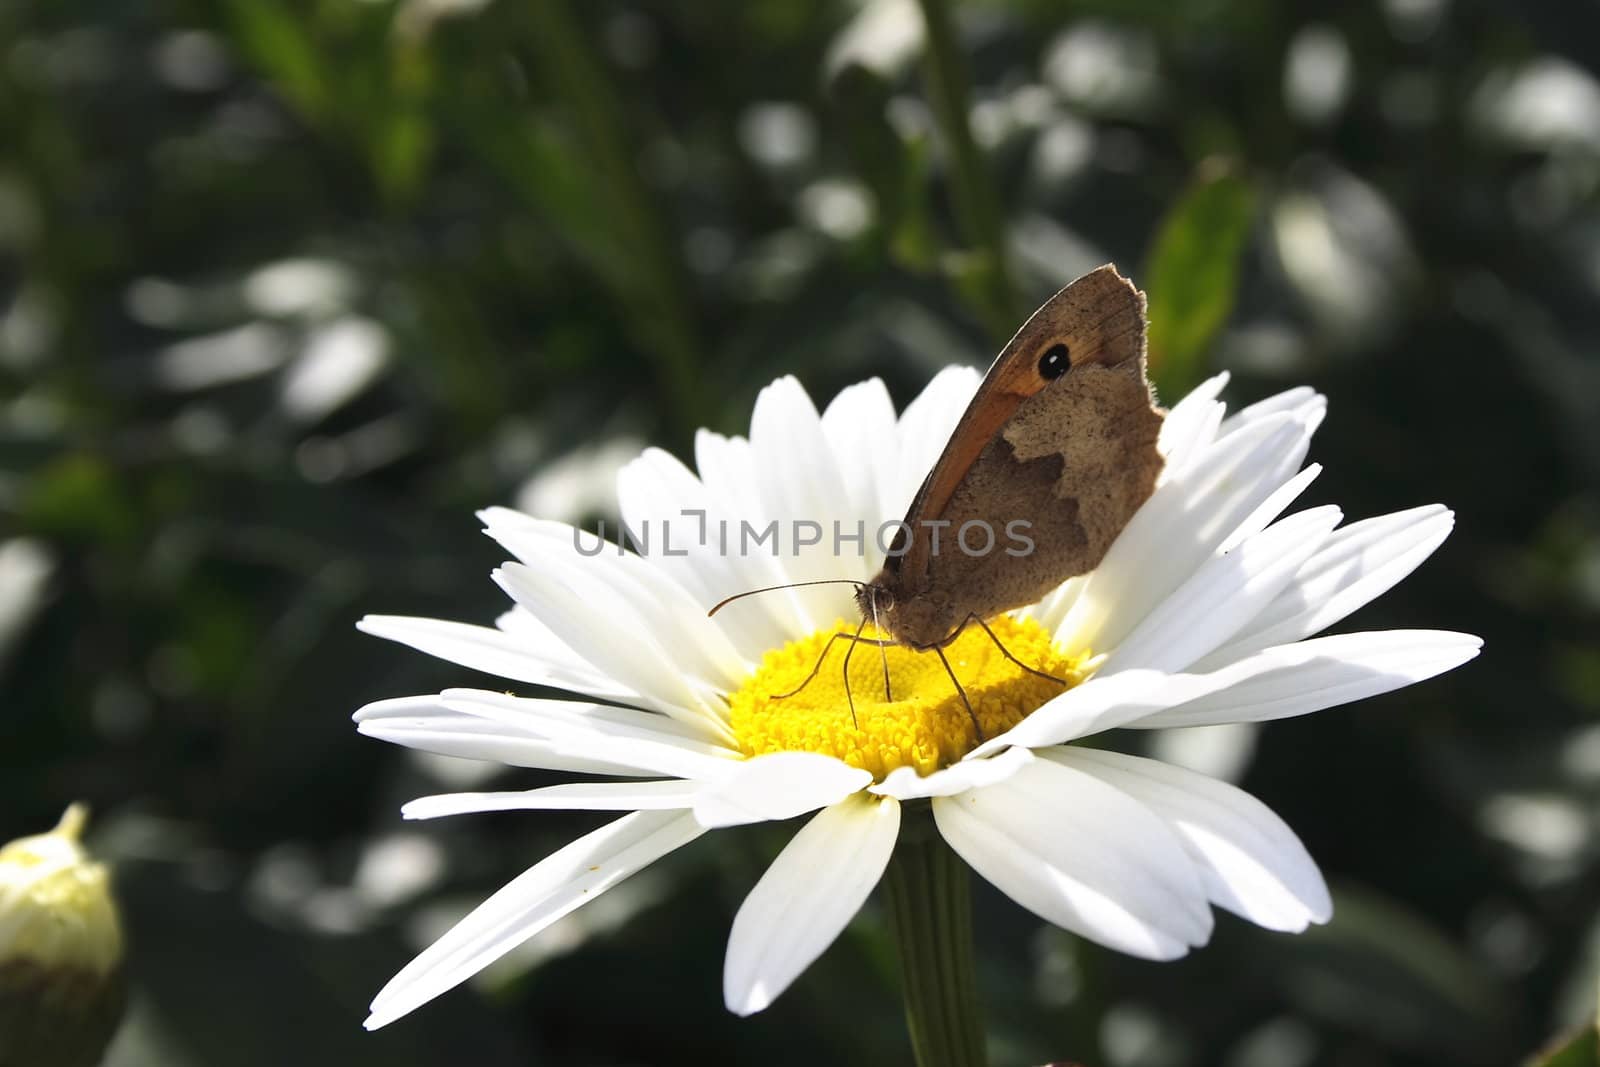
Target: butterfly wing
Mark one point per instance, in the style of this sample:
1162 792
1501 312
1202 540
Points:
1060 437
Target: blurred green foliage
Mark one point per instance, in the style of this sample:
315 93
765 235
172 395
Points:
289 287
1193 274
1580 1050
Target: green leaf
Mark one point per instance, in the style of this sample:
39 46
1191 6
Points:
402 133
859 98
973 274
548 173
1580 1049
895 168
79 497
1389 971
403 143
1192 274
915 245
280 42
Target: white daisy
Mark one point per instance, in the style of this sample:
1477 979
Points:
1204 611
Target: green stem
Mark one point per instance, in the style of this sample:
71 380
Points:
930 908
976 204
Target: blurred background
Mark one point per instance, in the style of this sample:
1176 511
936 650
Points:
288 288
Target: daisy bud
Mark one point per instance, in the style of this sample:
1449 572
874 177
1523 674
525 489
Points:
61 982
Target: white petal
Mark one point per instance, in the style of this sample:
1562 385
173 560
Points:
1181 525
765 485
728 470
1352 567
806 899
1102 703
859 425
732 480
538 897
1270 508
604 630
1054 606
1250 860
779 785
903 783
724 466
673 794
1307 676
658 493
424 723
622 586
657 489
641 740
1223 751
925 427
1083 855
519 657
1299 399
548 718
800 488
398 708
1224 594
733 476
544 544
1191 424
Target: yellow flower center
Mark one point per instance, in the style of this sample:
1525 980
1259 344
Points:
921 721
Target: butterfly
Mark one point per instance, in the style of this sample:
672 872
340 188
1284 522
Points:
1056 451
1059 441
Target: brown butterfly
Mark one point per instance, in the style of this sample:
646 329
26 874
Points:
1060 436
1059 442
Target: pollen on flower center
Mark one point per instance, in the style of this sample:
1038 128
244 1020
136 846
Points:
922 722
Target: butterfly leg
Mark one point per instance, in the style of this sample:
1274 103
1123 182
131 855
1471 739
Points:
962 693
814 667
1004 651
888 697
857 639
854 639
883 655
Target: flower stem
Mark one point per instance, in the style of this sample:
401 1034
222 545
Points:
930 908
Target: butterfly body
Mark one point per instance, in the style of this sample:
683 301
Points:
1054 454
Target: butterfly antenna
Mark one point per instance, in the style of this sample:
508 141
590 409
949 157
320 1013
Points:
725 601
